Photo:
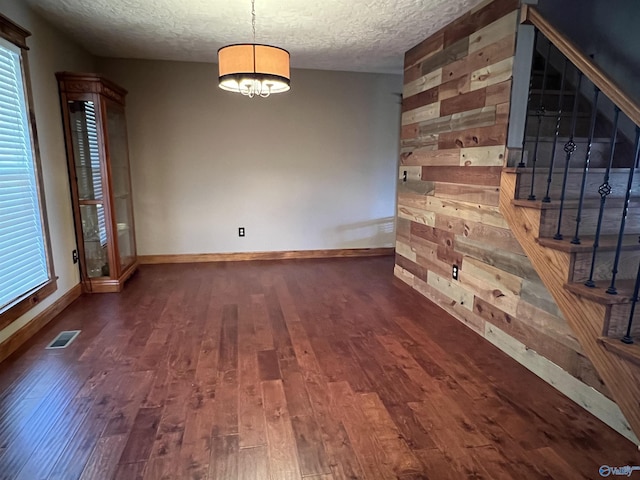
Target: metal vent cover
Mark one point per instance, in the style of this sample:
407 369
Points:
63 339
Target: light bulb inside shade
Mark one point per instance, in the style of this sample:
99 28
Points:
251 86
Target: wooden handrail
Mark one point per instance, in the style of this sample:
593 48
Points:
531 16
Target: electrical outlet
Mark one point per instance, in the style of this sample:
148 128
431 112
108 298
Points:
454 272
74 256
241 232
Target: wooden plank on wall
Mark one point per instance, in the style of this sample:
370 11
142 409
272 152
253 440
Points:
455 306
535 293
409 131
477 18
492 276
424 49
480 117
416 215
474 137
453 52
484 195
502 114
465 224
454 291
404 249
456 86
513 263
403 229
412 200
431 234
412 267
484 215
421 114
431 255
431 157
492 53
464 102
421 141
493 32
504 299
465 175
498 93
482 156
489 55
421 99
492 74
425 82
430 128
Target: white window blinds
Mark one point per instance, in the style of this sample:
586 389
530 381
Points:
23 262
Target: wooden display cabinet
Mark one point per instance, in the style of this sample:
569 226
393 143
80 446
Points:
93 111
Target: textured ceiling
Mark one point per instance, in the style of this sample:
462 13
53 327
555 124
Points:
352 35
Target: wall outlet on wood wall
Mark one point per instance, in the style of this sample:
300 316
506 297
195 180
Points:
454 272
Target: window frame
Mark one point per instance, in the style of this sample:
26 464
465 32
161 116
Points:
15 34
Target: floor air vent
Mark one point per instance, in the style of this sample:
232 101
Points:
63 339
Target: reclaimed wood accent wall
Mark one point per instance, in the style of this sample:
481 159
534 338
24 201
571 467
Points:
455 113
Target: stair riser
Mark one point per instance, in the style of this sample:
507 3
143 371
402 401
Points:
551 100
615 325
610 222
599 158
627 266
618 181
548 126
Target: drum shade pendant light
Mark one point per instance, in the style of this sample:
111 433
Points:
252 69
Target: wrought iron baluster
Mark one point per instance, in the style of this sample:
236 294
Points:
526 117
585 171
634 301
547 198
625 212
569 149
540 114
604 190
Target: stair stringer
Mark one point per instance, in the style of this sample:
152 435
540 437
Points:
584 316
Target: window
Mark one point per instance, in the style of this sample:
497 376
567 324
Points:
26 273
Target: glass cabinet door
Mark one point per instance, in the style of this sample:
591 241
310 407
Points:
86 156
94 234
86 153
121 184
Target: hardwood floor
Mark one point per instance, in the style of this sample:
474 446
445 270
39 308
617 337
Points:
321 369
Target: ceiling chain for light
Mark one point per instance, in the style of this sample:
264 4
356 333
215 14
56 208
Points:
253 19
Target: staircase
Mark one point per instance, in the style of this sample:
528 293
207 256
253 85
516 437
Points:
596 317
571 198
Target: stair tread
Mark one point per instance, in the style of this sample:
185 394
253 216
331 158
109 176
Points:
544 171
552 91
566 139
553 113
569 204
630 352
598 293
605 243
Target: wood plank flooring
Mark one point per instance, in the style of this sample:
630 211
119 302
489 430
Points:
314 369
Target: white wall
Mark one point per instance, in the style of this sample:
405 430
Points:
50 52
314 168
